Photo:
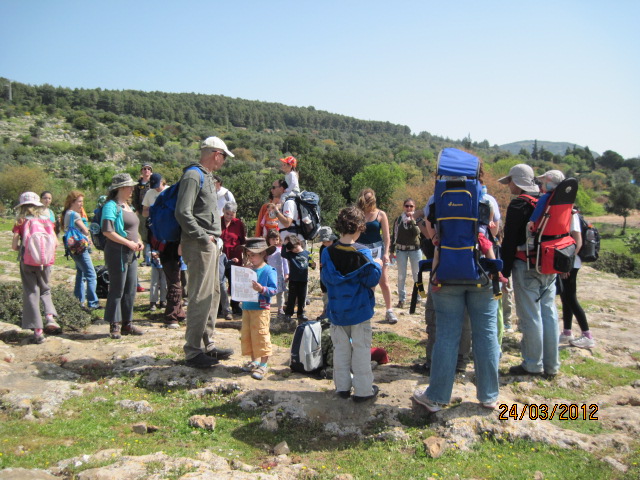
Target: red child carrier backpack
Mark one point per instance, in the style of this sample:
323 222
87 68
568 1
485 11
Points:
555 248
39 242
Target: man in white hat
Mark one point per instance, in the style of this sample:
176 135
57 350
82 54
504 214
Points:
197 214
534 292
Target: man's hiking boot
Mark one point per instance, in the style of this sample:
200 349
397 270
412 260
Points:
358 399
201 361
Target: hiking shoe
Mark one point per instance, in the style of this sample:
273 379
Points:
173 324
52 327
201 361
344 394
358 399
565 338
129 329
489 405
422 399
390 317
582 342
549 376
519 370
219 353
152 307
302 318
228 316
400 304
114 331
38 338
249 367
162 305
259 372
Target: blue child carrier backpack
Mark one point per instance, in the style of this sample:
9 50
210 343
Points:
164 226
457 214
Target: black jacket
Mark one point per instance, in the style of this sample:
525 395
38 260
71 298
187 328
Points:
515 230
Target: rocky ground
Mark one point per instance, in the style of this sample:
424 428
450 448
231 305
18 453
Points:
36 379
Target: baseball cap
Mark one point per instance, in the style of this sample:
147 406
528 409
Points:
290 161
215 142
155 180
522 175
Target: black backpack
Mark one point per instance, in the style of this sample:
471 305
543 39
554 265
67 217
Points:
590 250
102 287
308 224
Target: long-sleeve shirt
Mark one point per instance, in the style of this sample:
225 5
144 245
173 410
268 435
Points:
197 208
266 278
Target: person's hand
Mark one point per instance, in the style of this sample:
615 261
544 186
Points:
235 260
256 286
564 276
378 261
385 259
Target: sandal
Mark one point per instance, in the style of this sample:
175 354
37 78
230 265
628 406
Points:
259 373
249 367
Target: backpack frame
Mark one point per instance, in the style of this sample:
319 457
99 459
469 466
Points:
308 224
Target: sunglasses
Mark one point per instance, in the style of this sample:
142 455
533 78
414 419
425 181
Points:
409 206
145 168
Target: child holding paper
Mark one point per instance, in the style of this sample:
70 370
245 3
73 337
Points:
254 333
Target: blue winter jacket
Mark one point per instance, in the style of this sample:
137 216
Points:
351 298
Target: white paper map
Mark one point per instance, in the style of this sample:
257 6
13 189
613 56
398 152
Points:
241 287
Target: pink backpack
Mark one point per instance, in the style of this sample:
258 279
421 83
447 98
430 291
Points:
39 242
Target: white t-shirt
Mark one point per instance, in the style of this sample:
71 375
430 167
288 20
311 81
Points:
575 227
292 181
289 210
224 196
151 196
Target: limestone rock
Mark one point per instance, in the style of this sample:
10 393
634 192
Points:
435 446
281 448
141 406
25 474
140 428
203 421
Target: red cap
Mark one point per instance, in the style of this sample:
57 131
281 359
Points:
290 161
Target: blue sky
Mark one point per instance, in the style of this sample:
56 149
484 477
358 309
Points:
498 70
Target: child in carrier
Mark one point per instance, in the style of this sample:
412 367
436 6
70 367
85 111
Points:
289 167
254 333
34 238
549 181
281 265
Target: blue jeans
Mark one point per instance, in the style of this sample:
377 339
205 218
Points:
85 273
450 303
538 318
404 256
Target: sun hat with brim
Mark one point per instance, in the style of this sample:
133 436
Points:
30 198
554 176
120 180
325 234
290 161
522 175
217 144
257 245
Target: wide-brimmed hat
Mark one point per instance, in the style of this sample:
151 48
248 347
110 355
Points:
30 198
120 180
554 176
215 142
257 245
290 161
522 175
325 234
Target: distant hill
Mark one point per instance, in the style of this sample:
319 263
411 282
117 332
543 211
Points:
558 148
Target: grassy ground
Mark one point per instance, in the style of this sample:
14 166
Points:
93 422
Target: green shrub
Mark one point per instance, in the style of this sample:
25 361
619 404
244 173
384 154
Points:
633 242
621 265
72 316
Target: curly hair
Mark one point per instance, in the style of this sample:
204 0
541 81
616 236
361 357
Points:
350 220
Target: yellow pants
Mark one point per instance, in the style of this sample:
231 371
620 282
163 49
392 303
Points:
255 337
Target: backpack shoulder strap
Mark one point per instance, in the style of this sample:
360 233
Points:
195 167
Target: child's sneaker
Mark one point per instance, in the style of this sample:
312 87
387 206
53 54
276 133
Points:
259 372
566 338
390 317
38 336
583 342
152 307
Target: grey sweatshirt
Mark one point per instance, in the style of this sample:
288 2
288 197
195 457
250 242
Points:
197 208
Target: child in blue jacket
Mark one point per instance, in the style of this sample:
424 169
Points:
350 273
255 337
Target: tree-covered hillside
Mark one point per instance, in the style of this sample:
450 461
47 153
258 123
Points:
57 139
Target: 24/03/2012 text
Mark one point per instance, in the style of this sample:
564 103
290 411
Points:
561 411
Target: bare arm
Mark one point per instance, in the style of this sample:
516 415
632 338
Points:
386 239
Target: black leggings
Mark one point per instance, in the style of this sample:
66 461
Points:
570 305
297 294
